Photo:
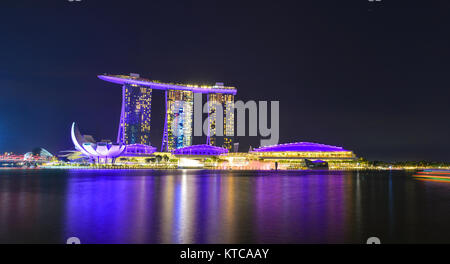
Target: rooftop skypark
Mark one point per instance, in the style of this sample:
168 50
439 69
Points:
154 84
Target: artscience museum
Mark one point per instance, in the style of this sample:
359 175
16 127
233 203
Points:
105 151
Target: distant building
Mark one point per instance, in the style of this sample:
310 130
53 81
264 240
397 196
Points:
236 147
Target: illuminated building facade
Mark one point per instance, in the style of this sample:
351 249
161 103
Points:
178 125
227 103
136 106
134 127
100 152
303 150
105 151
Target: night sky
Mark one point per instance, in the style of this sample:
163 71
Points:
372 77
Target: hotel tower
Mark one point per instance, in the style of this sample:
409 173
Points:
134 127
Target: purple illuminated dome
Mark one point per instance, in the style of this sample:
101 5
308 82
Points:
96 150
138 150
197 150
300 147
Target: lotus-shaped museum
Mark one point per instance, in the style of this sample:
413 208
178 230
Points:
100 151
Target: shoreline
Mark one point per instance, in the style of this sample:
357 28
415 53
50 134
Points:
208 169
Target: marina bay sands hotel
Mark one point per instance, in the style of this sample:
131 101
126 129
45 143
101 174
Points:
134 127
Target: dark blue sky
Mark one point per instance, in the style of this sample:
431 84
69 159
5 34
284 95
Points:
371 77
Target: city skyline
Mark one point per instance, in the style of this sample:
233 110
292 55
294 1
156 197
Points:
223 132
337 84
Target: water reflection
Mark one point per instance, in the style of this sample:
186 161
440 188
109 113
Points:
196 206
213 207
26 205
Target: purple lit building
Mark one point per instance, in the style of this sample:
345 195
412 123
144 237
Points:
135 118
99 152
105 151
304 150
134 127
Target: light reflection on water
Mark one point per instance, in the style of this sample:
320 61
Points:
199 206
